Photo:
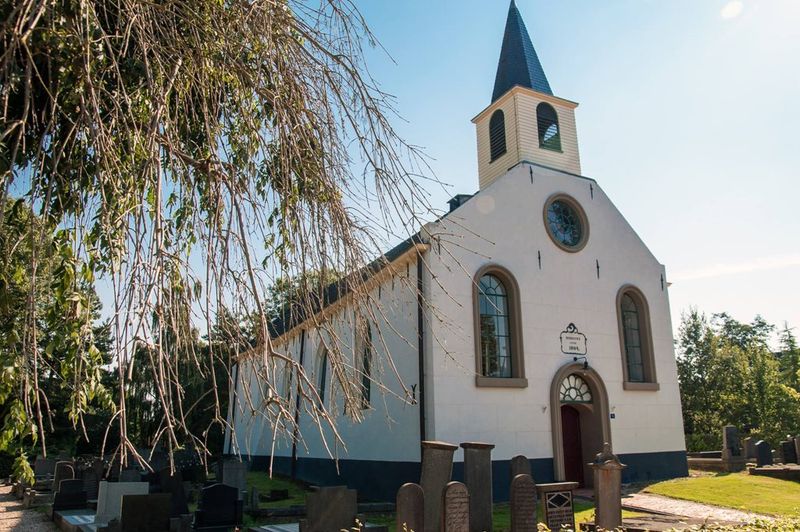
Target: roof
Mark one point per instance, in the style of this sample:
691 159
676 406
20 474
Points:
519 64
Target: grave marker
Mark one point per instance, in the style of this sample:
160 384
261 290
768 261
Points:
145 513
109 499
557 504
763 454
410 508
455 508
788 451
437 470
749 445
234 473
608 489
219 507
70 495
523 504
478 479
520 465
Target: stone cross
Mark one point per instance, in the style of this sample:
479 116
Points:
410 508
523 504
608 489
763 454
455 508
478 478
437 470
520 465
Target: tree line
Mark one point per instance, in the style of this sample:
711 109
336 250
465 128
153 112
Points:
730 375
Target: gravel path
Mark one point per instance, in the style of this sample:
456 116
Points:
12 516
695 510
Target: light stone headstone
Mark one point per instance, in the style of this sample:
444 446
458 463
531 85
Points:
437 470
455 508
478 479
520 465
109 498
410 508
749 445
330 509
234 474
523 504
763 454
608 489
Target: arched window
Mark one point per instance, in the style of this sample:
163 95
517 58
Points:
497 134
635 340
498 341
323 375
365 361
549 132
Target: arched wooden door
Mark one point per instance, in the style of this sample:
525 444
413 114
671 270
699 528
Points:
573 450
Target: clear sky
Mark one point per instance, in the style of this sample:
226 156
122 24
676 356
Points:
689 119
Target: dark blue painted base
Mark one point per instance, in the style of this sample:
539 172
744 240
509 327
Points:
379 481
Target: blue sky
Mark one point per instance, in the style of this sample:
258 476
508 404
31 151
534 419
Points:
689 119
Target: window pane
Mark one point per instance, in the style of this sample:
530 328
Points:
494 328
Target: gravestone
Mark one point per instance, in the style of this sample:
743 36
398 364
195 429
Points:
145 513
608 489
63 471
520 465
109 498
410 508
44 468
330 509
234 473
557 504
91 478
763 454
455 508
797 447
254 499
749 445
478 479
731 447
70 495
437 470
219 507
523 504
788 452
173 484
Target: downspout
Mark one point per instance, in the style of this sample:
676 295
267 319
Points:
421 347
232 409
297 407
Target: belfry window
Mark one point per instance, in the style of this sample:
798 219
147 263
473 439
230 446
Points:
549 131
635 340
498 339
497 135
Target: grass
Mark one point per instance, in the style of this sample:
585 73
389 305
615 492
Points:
741 491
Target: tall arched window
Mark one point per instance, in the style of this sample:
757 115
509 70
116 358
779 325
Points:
498 342
635 340
549 131
497 134
365 353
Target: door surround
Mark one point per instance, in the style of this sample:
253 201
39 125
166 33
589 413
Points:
600 402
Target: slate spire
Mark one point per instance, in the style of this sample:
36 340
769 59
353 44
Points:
519 64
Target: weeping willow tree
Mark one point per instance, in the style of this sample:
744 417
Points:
191 153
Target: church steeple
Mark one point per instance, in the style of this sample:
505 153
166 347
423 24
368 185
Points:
519 64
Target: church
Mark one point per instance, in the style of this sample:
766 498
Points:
539 322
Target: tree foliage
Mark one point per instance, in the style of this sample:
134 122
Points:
189 154
729 375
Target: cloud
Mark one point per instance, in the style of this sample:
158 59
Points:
756 265
732 9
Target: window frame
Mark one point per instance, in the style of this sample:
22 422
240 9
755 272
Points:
584 220
496 150
322 375
650 382
517 379
554 120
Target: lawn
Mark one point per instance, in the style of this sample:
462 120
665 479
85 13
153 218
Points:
742 491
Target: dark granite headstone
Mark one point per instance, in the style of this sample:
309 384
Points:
145 513
63 471
797 448
763 454
731 447
173 484
520 465
410 508
478 479
92 475
219 507
455 508
523 504
44 467
330 509
788 452
70 496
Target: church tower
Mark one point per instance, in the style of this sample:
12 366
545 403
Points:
525 121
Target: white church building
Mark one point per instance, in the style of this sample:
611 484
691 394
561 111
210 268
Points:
542 326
